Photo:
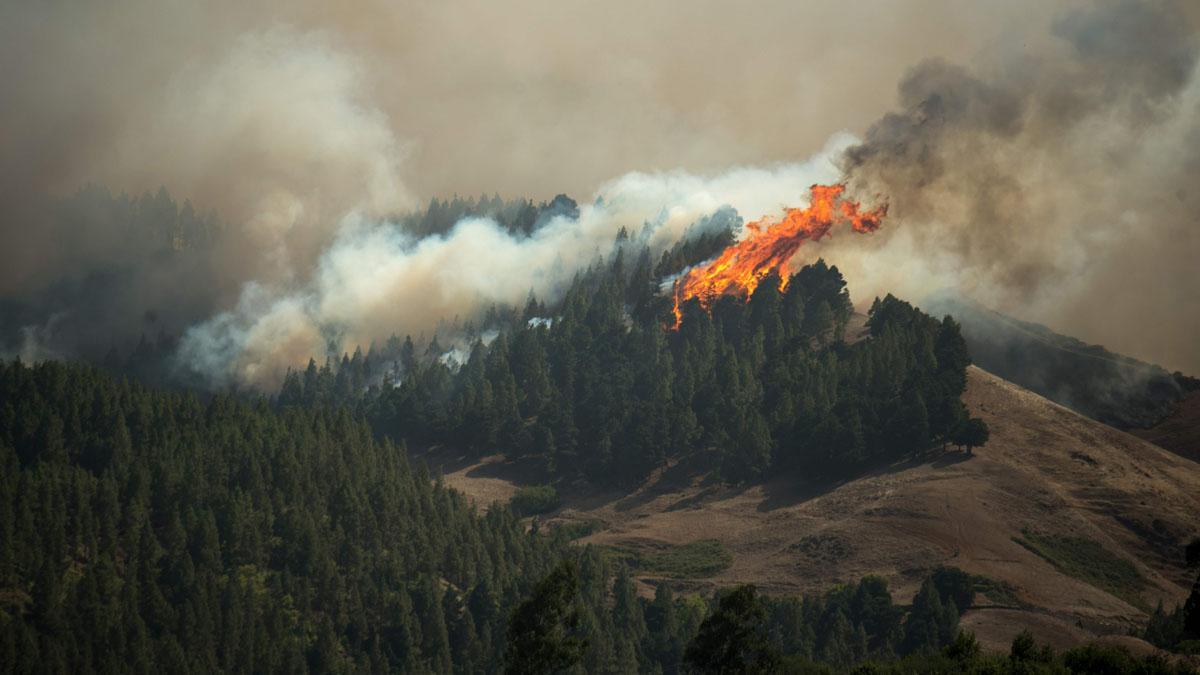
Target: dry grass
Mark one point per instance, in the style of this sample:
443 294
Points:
1088 561
484 481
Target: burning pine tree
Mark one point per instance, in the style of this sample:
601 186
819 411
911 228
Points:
769 246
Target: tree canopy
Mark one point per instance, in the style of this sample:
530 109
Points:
598 387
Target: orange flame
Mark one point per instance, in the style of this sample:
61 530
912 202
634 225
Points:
769 246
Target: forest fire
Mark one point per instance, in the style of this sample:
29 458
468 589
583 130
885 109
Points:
769 246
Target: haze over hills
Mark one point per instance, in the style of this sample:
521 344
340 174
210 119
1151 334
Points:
1052 166
1129 394
276 398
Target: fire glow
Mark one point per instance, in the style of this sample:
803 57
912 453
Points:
768 246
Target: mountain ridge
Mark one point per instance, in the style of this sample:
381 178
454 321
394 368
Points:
1047 474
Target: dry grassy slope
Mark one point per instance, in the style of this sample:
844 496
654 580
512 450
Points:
1045 468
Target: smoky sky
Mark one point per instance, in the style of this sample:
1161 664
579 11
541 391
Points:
1060 183
1035 153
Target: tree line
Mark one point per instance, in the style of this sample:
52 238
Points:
853 628
517 216
597 387
145 531
1179 629
148 531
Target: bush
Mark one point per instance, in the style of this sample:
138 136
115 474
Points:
964 648
1089 562
534 499
1025 649
954 584
1104 660
997 591
702 558
577 529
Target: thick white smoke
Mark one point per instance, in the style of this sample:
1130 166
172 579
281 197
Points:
275 128
375 280
1050 174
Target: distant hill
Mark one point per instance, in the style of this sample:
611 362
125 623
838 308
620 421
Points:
1072 528
1178 432
1118 390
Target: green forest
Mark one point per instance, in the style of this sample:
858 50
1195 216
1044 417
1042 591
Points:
150 531
146 526
597 388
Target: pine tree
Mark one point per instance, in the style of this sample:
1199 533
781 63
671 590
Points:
628 622
838 643
663 628
542 635
733 638
931 623
1191 608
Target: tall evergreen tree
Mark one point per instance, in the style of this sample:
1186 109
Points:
733 639
543 633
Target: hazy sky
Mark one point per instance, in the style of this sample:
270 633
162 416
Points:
528 98
286 116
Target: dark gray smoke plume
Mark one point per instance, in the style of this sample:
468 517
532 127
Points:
1060 182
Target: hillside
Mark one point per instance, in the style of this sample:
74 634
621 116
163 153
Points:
1178 432
1060 482
155 530
1091 380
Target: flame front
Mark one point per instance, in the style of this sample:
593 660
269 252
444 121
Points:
768 246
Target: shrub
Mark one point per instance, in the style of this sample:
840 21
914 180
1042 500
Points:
954 584
702 558
1088 561
534 499
577 529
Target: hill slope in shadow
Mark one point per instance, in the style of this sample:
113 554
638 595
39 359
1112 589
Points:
1142 398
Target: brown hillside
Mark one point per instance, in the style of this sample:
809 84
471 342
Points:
1180 431
1047 474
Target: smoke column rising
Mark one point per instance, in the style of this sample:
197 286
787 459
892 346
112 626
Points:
1044 160
375 280
1056 183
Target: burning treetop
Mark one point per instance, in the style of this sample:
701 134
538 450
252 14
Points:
769 246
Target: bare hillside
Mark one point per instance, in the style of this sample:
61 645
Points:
1077 526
